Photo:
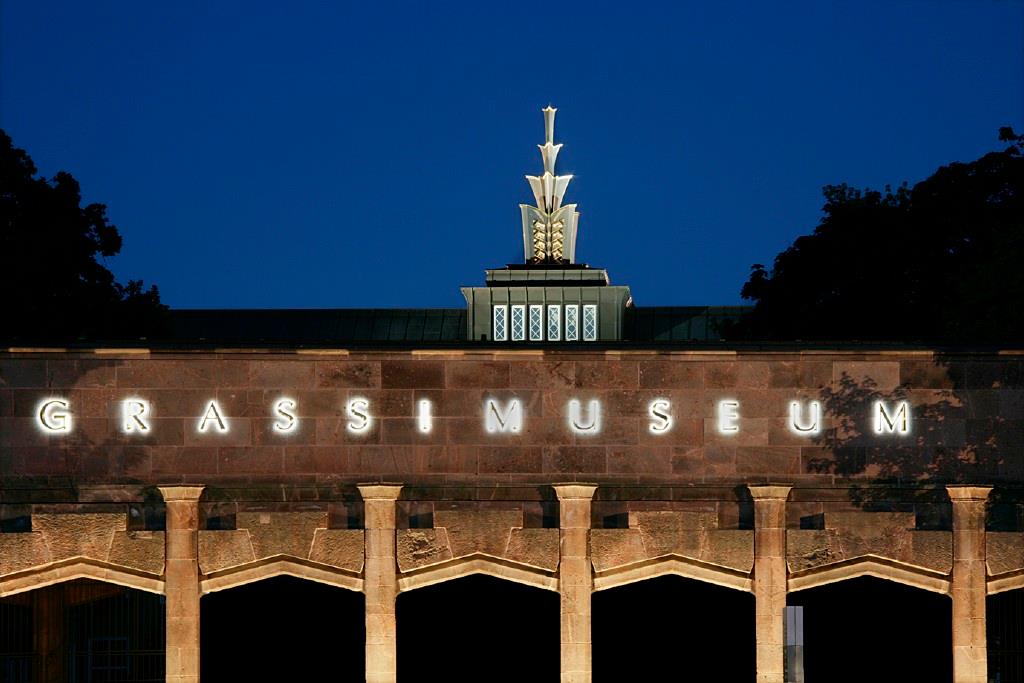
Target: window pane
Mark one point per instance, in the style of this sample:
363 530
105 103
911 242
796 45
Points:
554 322
590 322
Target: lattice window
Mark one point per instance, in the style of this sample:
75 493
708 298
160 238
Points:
518 323
572 322
536 322
501 323
590 322
554 322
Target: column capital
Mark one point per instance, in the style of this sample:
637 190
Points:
181 493
959 492
574 491
379 491
763 492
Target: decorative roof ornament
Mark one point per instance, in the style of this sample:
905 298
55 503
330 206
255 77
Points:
549 229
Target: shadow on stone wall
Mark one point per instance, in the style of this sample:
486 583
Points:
967 432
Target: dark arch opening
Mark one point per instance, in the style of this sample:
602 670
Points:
1005 621
82 631
672 628
478 628
869 629
282 629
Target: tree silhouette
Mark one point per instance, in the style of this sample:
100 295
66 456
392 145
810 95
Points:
54 287
941 262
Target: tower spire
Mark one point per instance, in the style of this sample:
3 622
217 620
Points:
549 229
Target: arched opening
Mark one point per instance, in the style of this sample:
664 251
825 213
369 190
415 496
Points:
869 629
478 628
82 631
283 629
673 628
1004 613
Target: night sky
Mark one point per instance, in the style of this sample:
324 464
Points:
372 154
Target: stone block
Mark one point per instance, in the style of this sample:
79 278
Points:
535 547
348 374
222 549
729 548
671 375
421 547
477 374
615 547
809 548
483 531
281 533
607 375
932 550
1005 551
412 374
342 548
22 551
282 374
85 534
548 375
142 550
672 532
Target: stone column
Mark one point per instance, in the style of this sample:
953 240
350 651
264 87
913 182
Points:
181 582
575 579
380 583
969 589
770 580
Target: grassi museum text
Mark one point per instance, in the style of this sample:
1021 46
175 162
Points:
549 483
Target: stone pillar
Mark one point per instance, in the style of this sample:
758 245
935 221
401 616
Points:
969 589
575 579
770 580
380 583
181 582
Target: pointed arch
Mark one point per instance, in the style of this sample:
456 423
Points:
280 565
78 568
477 563
672 564
874 566
1006 582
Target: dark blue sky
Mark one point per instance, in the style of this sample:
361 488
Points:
372 154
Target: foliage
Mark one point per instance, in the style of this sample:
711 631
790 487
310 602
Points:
940 262
55 288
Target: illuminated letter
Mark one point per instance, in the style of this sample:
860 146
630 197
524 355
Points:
898 423
813 426
498 420
661 415
424 420
359 415
132 410
51 419
576 419
212 414
728 414
287 422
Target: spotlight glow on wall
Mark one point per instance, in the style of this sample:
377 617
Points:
424 419
591 424
728 417
660 410
892 422
507 419
358 410
133 411
53 415
214 416
286 422
797 424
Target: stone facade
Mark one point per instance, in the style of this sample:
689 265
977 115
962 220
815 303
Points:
395 496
